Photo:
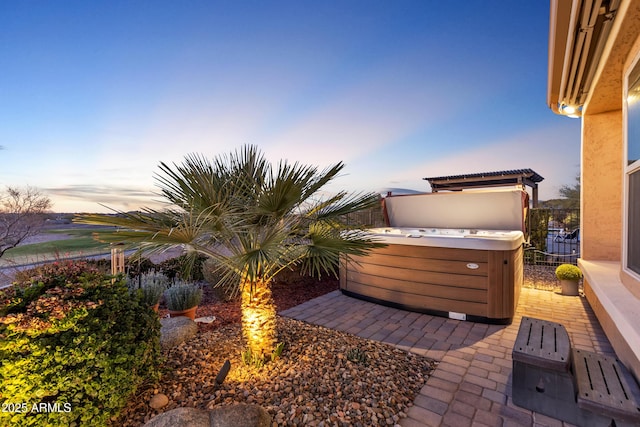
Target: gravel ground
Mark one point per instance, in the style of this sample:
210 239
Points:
541 277
313 383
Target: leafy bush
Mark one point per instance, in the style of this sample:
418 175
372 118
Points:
136 265
30 284
183 296
538 226
75 343
568 272
187 267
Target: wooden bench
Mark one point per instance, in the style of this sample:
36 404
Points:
576 386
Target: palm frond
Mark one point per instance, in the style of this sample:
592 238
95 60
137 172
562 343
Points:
320 180
194 185
343 204
251 217
327 244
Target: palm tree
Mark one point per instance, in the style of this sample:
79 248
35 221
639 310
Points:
253 219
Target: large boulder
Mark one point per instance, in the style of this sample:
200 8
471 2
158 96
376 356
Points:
176 330
181 417
237 415
240 415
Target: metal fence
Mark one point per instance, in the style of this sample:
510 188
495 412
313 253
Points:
371 217
554 236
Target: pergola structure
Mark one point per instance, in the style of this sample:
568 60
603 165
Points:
517 177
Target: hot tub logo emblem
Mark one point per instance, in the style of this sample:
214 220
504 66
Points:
473 266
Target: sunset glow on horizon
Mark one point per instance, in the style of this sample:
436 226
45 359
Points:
95 95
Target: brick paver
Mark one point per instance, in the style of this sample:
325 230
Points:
472 383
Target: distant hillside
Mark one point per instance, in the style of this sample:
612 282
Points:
559 204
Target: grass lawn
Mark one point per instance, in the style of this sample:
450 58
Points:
81 242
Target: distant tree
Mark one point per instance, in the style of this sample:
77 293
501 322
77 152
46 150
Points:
570 197
571 193
22 214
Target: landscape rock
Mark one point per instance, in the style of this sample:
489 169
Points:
159 401
176 330
240 415
205 319
181 417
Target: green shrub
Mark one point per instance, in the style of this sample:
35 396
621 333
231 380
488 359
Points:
568 272
187 267
55 272
77 348
30 284
136 265
101 264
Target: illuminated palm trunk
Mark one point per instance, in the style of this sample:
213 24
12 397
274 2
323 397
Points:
258 318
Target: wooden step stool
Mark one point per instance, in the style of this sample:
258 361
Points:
542 379
576 386
606 391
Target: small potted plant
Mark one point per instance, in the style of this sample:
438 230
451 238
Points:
182 299
150 287
569 275
153 286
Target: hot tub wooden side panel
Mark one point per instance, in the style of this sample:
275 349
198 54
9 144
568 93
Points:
439 279
418 302
505 280
420 276
365 282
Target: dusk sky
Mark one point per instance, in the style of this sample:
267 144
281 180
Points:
93 95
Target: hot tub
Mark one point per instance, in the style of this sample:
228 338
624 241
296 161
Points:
462 272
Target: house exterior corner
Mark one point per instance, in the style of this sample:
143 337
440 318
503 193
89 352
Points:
604 68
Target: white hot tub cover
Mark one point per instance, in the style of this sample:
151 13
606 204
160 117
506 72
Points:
486 210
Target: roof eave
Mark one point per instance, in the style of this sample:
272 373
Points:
559 25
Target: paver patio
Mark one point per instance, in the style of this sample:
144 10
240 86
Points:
472 384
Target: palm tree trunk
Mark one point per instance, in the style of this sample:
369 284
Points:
258 318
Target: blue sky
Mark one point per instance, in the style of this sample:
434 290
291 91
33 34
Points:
94 95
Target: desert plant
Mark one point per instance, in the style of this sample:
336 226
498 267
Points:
357 355
150 286
254 219
80 342
258 360
183 296
568 272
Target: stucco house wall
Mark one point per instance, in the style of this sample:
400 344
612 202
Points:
601 181
613 294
